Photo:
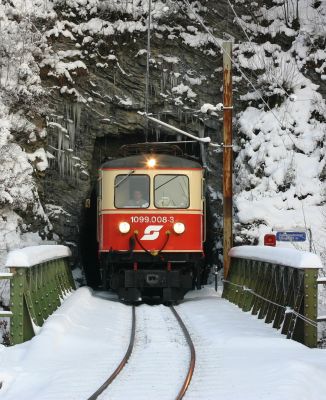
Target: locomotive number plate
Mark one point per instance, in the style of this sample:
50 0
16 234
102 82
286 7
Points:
152 219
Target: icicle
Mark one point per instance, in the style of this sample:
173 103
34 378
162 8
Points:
164 79
66 130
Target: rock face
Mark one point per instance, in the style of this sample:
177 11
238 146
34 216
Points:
91 57
97 76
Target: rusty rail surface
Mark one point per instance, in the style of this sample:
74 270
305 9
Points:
123 362
192 362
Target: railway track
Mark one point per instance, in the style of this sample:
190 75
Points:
128 353
192 362
123 362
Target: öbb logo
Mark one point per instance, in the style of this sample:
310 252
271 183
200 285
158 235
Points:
152 232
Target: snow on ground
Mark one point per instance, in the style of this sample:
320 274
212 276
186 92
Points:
79 345
238 356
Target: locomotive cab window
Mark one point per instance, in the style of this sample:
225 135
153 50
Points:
131 191
171 191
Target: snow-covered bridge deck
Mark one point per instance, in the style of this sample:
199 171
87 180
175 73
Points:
238 356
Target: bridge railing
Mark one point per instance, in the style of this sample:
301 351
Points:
278 285
40 278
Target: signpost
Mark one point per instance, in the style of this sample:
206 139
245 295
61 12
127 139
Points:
291 236
227 156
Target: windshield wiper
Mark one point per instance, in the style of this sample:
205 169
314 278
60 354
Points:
122 180
163 184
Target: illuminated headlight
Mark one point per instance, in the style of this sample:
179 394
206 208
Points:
151 163
179 228
124 227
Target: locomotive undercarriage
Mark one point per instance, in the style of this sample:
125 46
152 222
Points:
141 275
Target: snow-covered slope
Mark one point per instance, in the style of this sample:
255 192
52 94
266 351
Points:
280 167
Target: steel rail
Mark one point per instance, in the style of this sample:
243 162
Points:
123 362
192 362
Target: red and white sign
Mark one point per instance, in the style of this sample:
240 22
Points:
152 232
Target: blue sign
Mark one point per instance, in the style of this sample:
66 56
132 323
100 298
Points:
291 236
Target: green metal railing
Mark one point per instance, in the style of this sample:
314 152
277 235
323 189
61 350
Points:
283 296
35 293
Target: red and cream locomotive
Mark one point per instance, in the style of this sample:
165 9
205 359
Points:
151 225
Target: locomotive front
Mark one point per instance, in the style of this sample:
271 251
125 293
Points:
151 226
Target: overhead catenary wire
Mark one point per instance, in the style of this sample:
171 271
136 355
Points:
274 77
148 55
286 112
251 44
244 76
281 123
285 91
199 19
206 140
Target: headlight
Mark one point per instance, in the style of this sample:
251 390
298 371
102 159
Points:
179 228
151 163
124 227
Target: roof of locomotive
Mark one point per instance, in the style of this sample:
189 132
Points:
162 161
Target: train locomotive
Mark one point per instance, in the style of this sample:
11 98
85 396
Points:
151 224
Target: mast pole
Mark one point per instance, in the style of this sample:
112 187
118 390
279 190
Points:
227 155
